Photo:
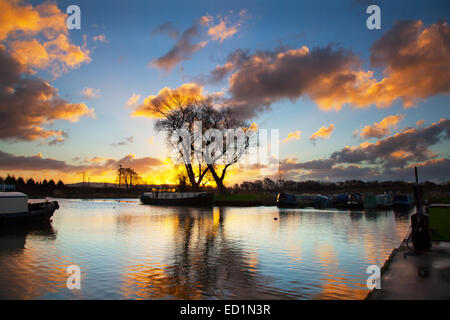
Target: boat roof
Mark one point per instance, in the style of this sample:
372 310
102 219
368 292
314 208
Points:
13 195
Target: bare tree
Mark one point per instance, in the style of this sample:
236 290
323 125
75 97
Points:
210 148
127 177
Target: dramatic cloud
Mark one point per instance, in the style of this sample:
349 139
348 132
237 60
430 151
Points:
262 78
15 17
397 150
322 133
380 129
234 61
9 161
38 37
139 164
292 164
390 158
293 135
169 98
90 93
414 61
28 103
195 37
183 48
166 28
123 142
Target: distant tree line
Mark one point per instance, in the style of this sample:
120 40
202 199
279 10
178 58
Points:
127 177
331 187
11 180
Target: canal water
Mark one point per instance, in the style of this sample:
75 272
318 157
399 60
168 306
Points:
126 250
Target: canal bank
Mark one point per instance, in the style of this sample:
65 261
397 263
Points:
415 276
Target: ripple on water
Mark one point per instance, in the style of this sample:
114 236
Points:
130 251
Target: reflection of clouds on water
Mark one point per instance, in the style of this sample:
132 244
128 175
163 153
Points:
202 263
22 275
128 250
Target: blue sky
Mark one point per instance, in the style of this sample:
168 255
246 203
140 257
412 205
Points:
119 68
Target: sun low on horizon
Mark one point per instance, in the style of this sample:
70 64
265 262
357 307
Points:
348 101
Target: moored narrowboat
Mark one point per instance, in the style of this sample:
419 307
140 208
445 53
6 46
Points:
403 202
190 199
340 201
285 200
322 202
355 202
15 209
384 201
370 201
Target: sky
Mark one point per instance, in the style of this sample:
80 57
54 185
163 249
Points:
349 102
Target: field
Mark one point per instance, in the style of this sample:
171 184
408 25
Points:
440 223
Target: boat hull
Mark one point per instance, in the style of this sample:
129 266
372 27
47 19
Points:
285 200
200 200
39 213
354 205
402 206
322 202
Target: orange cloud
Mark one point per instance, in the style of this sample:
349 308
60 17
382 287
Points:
38 37
293 135
31 53
90 93
167 99
322 133
382 128
253 127
430 162
420 123
30 103
101 38
413 60
16 16
221 31
133 100
98 159
98 169
225 28
401 154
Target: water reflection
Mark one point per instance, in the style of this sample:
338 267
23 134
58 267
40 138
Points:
14 246
131 251
204 263
13 238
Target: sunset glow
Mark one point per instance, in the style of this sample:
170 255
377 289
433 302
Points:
78 102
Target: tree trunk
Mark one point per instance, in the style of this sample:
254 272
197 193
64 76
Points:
195 184
219 180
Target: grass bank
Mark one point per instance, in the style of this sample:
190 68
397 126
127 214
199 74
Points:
245 199
440 223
